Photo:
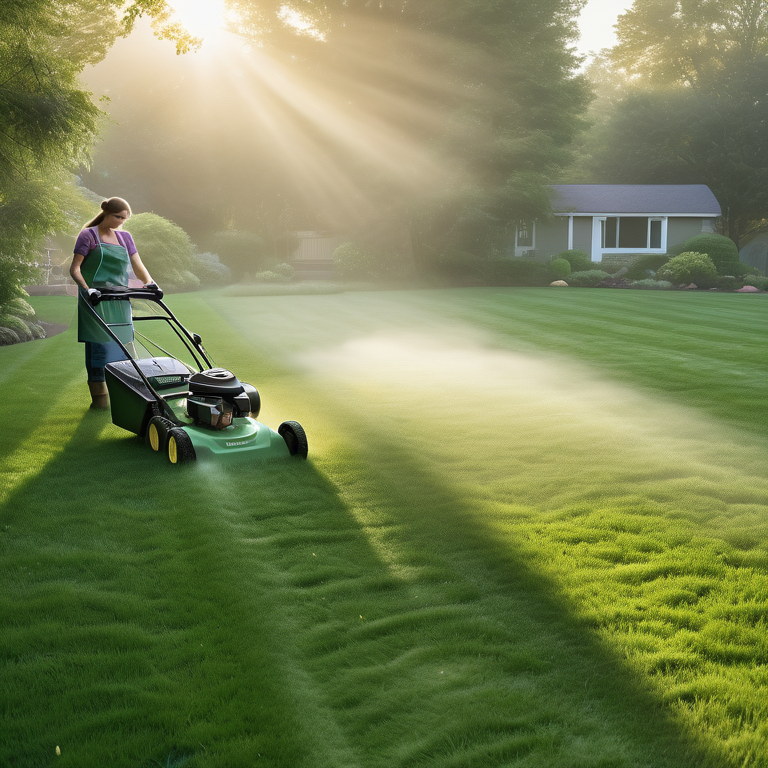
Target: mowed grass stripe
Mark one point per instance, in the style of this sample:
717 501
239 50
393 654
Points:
285 563
134 628
424 656
727 519
707 350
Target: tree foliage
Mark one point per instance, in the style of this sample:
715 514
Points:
242 252
446 119
690 42
694 107
165 250
47 121
455 115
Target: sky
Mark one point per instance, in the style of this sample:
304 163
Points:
596 23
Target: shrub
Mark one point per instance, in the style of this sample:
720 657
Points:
648 284
37 330
7 336
165 248
268 276
758 281
561 268
729 283
354 262
286 271
588 278
740 269
579 260
20 308
690 268
210 270
721 250
17 325
646 266
189 280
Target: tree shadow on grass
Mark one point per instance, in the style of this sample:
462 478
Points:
239 614
476 607
132 629
35 389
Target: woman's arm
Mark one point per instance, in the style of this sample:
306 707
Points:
75 272
140 270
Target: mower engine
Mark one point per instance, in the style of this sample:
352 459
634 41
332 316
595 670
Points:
216 397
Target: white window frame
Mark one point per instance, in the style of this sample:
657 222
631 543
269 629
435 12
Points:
598 235
521 249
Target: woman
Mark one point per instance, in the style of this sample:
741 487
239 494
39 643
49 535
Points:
104 254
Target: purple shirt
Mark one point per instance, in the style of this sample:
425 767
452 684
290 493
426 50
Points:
88 239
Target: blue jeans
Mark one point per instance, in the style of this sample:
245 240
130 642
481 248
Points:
97 355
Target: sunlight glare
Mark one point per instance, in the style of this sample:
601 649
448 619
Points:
299 22
199 17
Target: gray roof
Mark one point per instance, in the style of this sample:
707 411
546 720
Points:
617 199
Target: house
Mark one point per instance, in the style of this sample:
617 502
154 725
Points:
616 222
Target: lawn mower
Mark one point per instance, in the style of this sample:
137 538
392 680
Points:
185 411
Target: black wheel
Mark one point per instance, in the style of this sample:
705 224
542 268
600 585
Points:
295 438
180 449
157 432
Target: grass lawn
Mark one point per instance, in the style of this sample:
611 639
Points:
532 532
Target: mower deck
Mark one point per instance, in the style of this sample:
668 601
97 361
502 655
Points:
190 415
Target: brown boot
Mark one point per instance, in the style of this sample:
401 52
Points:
99 395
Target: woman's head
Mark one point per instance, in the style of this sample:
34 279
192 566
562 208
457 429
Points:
116 209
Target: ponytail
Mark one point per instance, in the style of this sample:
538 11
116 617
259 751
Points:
112 205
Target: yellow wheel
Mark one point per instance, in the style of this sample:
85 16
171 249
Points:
157 433
180 449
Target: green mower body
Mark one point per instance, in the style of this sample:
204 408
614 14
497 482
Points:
189 414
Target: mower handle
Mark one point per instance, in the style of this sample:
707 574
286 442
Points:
120 293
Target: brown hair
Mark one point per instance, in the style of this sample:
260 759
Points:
113 205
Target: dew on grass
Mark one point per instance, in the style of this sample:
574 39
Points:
546 429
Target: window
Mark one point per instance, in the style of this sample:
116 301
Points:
525 234
654 230
631 232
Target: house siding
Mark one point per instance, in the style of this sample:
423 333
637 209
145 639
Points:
680 229
551 238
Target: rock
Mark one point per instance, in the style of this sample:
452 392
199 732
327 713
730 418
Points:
748 289
691 287
560 283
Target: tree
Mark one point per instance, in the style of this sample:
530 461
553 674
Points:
47 122
691 42
695 108
445 120
242 252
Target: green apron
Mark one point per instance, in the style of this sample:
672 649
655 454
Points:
105 266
